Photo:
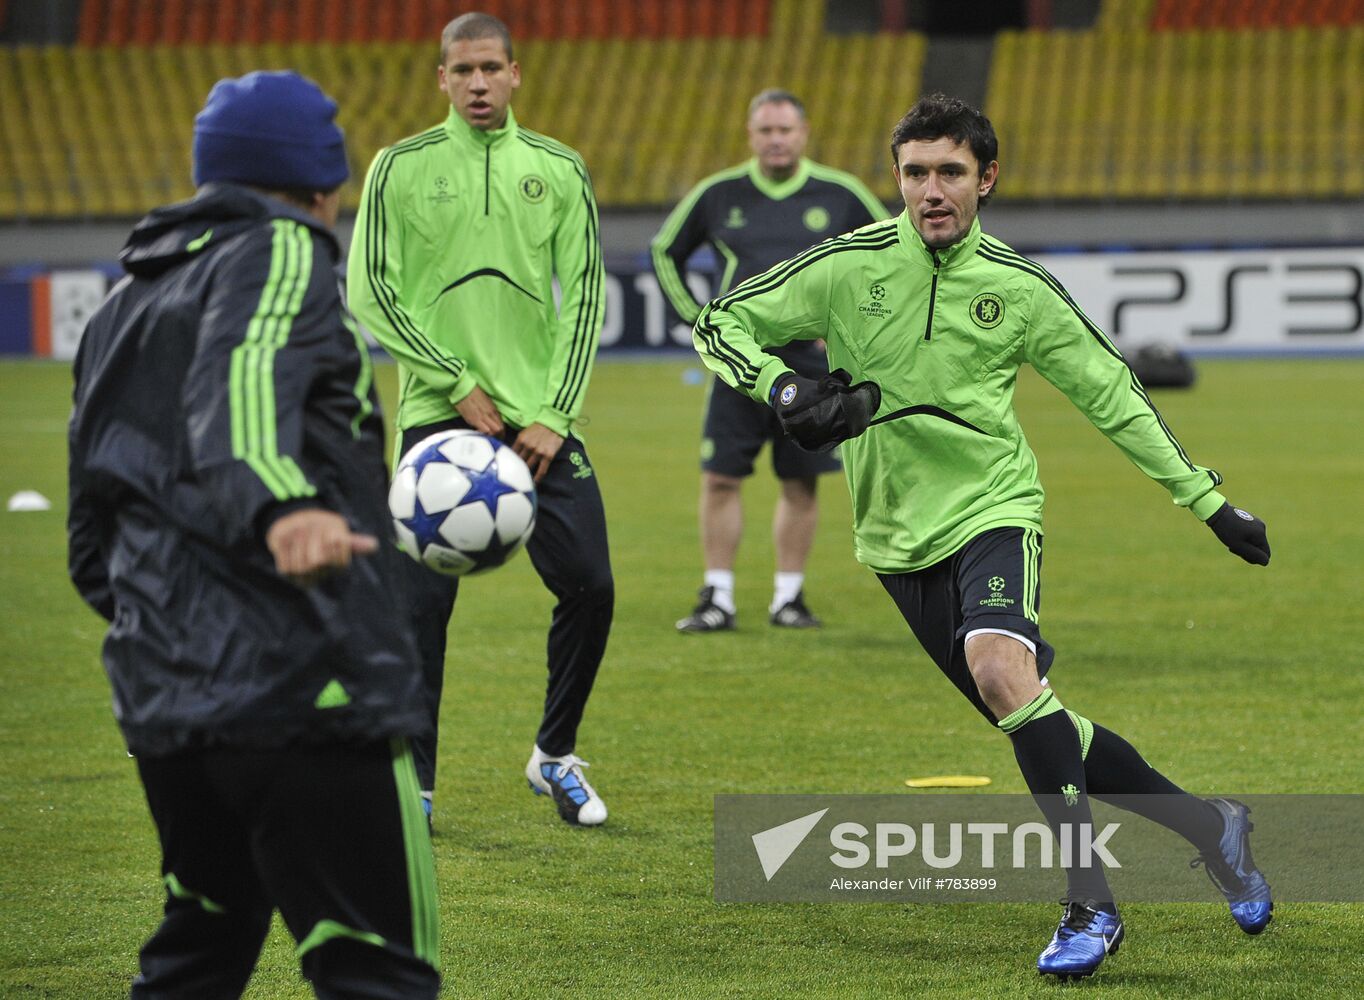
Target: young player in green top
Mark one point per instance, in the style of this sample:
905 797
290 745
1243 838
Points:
461 232
927 322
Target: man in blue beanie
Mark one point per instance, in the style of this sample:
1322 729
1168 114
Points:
227 503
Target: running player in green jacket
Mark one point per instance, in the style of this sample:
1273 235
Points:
927 322
461 232
754 216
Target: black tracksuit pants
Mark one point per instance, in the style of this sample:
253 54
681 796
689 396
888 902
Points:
332 836
569 550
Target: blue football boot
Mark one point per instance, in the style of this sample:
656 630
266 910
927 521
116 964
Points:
1233 870
1082 940
562 779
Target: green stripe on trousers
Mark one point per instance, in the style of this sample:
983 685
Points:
421 868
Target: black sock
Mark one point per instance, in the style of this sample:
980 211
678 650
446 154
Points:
1047 747
1115 772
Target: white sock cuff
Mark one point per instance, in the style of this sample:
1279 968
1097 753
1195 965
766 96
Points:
723 582
785 588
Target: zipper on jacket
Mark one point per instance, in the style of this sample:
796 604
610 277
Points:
487 176
932 297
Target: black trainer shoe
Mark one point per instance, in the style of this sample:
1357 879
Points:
794 614
707 616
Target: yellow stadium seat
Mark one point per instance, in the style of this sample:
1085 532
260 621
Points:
1118 111
35 201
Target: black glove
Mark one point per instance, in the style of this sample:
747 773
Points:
1242 532
818 415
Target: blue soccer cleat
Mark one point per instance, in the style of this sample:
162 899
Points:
1233 870
1083 939
562 778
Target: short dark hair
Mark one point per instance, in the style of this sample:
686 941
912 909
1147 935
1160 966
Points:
473 27
938 115
775 95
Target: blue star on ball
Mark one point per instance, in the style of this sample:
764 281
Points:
485 487
423 525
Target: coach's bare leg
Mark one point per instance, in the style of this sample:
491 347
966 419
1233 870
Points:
722 519
793 524
1005 672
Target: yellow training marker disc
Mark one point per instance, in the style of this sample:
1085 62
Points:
949 781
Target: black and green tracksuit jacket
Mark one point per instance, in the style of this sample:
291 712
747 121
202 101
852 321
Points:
753 222
220 386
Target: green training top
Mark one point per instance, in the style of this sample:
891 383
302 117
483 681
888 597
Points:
944 334
458 239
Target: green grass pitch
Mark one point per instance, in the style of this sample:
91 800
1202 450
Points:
1228 677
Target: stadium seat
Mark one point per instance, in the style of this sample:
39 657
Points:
1224 112
1229 104
378 63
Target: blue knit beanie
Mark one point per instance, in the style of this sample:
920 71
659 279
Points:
270 130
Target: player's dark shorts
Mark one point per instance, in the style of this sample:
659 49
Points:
333 836
737 426
993 582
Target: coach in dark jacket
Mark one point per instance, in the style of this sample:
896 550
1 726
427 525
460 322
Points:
226 507
218 391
